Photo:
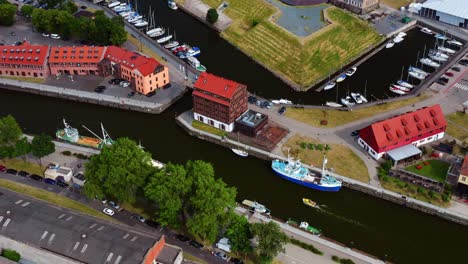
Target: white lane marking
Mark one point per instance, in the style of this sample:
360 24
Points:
126 235
100 228
76 246
51 238
461 86
134 238
117 261
6 222
1 218
25 204
19 201
84 248
44 234
93 225
61 216
69 218
109 257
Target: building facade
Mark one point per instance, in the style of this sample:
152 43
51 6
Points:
357 6
162 253
82 60
25 60
250 123
420 127
453 12
218 102
463 178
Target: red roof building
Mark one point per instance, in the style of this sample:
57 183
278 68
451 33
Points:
25 60
218 102
463 178
417 128
82 60
146 74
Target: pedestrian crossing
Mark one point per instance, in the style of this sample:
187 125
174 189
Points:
461 86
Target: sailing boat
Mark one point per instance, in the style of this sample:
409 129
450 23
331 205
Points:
172 44
154 31
164 39
240 152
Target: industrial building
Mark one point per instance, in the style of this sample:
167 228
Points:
453 12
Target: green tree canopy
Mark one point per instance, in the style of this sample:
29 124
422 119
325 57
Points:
239 234
7 14
212 16
10 131
117 33
68 6
42 145
119 171
271 241
22 147
27 10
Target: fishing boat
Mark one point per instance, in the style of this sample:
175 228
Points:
71 135
454 42
341 78
171 44
254 206
405 89
347 101
446 50
441 37
356 98
417 75
390 44
429 62
309 202
404 84
172 5
414 69
333 104
397 91
196 64
293 170
281 101
351 71
113 4
426 30
305 226
329 86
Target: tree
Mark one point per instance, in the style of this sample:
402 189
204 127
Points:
69 6
11 254
239 234
211 201
212 16
117 33
168 189
7 14
27 10
118 172
271 241
10 131
42 145
22 147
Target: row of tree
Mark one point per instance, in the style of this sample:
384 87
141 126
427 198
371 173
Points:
187 196
14 144
7 13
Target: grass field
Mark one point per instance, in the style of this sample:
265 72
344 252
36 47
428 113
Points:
19 164
204 127
437 169
457 126
342 159
396 3
280 51
52 198
313 116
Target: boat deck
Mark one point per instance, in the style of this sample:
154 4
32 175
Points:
89 141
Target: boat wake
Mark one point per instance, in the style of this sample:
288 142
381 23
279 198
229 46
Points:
340 217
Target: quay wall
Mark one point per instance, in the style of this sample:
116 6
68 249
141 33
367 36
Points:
184 120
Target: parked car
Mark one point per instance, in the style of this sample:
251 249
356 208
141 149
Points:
100 89
114 81
269 105
130 94
463 62
195 244
450 74
17 43
36 177
236 261
55 36
457 69
108 211
220 255
252 99
167 86
23 174
151 94
126 84
182 238
282 110
62 184
13 33
12 171
45 34
355 133
138 217
114 204
258 103
264 104
50 181
152 223
224 244
3 168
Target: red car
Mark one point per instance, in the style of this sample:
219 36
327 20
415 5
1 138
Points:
450 74
2 168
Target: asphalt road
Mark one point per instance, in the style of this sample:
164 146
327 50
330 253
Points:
122 215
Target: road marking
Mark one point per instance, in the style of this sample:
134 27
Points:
461 86
93 225
19 201
126 235
100 228
51 238
69 218
61 216
117 261
25 204
44 234
76 246
84 248
6 222
109 257
134 238
1 218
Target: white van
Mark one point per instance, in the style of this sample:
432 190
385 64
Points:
223 244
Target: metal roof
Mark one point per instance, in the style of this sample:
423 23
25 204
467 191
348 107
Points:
457 8
403 152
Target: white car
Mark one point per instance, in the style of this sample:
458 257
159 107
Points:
108 211
55 36
46 35
126 84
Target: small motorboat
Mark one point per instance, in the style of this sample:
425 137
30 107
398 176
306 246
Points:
307 227
172 5
426 30
347 101
363 99
356 98
417 75
401 34
256 207
351 71
309 202
446 50
333 104
429 62
398 39
341 78
240 152
142 23
414 69
329 86
404 84
441 37
437 58
281 101
390 44
197 65
171 44
401 87
134 19
397 91
192 52
113 4
454 42
164 39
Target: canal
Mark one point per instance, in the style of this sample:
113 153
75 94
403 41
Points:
381 228
221 58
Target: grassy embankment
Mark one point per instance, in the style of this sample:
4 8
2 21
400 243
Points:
21 165
457 126
302 61
313 116
145 49
342 159
436 169
204 127
396 3
25 79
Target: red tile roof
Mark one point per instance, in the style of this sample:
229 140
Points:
404 129
24 54
217 85
211 98
81 54
464 168
132 60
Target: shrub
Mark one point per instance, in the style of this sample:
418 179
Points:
420 190
80 156
319 147
66 153
11 255
335 258
346 261
431 194
306 246
323 122
387 166
445 198
327 147
401 184
255 22
311 146
212 16
303 145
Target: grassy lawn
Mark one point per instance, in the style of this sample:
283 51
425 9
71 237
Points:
52 198
437 169
25 79
301 61
396 3
19 164
204 127
313 116
342 159
457 125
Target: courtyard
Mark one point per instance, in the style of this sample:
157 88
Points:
434 169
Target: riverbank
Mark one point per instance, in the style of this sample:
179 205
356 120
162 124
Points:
184 120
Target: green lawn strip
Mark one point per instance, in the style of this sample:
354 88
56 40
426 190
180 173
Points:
457 125
437 169
53 198
21 165
204 127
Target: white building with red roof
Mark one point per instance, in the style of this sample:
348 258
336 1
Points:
398 137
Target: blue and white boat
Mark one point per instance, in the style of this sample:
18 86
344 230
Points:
404 84
441 37
293 170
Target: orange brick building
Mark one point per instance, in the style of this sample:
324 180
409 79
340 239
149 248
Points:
25 60
82 60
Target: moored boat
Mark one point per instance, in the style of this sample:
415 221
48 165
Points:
397 91
113 4
405 89
404 84
426 30
417 75
281 101
429 62
441 37
134 18
172 5
164 39
341 78
446 50
398 39
329 86
455 42
70 134
437 58
347 101
196 64
438 53
142 23
414 69
305 226
351 71
390 44
401 34
356 98
240 152
333 104
309 202
254 206
171 44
